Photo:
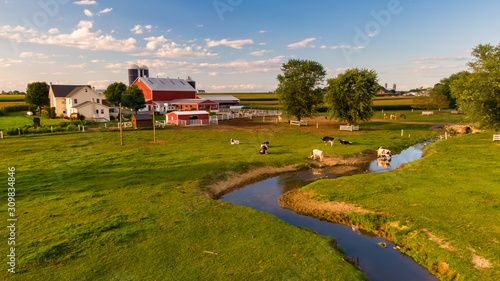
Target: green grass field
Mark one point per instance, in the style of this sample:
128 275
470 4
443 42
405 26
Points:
90 209
11 98
453 192
20 119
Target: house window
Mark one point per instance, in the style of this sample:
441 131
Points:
97 100
97 111
75 101
202 106
102 111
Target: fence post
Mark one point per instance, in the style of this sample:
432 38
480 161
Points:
1 134
83 128
51 129
79 128
19 131
401 132
446 135
106 125
316 125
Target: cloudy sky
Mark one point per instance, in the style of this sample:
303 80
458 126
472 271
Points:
238 45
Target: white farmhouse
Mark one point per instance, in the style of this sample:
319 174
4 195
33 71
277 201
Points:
70 100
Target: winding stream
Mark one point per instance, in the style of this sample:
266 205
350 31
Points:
376 262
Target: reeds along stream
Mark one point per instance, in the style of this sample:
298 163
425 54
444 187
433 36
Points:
376 262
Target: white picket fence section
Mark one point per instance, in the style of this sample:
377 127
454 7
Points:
194 122
298 123
427 112
349 128
496 137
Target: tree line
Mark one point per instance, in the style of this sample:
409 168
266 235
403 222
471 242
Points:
349 96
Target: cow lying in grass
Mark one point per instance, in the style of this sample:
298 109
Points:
383 153
317 154
263 150
344 142
235 141
327 140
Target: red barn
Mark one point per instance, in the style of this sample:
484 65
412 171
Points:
165 89
186 118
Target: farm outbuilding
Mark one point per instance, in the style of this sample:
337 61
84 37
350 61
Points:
142 121
186 118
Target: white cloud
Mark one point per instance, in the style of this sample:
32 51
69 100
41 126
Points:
148 27
199 25
88 13
301 44
85 2
341 47
105 11
174 50
97 61
53 31
431 59
137 29
100 84
81 38
338 69
263 31
435 67
32 54
373 34
260 53
155 42
116 65
237 44
9 62
80 66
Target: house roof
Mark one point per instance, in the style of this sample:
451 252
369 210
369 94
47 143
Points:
142 117
220 98
191 112
167 84
62 91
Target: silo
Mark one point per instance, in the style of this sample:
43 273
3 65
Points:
133 73
144 71
191 82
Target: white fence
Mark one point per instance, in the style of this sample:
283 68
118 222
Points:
194 122
349 128
496 137
427 112
298 123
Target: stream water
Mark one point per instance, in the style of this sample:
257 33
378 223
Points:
377 263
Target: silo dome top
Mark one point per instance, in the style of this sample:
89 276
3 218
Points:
133 66
144 67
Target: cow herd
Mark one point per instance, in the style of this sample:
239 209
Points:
382 153
395 116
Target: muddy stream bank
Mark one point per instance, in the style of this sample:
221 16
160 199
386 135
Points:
278 194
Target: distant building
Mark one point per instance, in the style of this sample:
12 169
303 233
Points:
224 101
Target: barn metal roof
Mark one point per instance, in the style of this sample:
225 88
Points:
167 84
188 101
220 98
193 112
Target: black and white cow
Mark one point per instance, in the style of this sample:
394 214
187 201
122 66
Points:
265 144
235 141
327 140
383 152
344 142
317 154
263 150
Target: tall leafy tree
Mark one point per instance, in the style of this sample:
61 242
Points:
478 92
133 98
349 96
114 93
431 99
37 94
299 90
443 87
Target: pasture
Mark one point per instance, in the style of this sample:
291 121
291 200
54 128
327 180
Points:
446 204
89 208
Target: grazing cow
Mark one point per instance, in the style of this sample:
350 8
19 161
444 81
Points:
383 153
395 116
344 142
265 144
327 140
263 150
279 118
386 115
235 141
317 153
402 116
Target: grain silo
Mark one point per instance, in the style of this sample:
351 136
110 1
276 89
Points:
144 71
133 73
191 82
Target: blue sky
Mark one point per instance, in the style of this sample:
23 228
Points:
238 45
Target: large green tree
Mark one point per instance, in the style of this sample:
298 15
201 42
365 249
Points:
431 99
349 96
443 88
133 98
478 92
114 93
299 90
37 94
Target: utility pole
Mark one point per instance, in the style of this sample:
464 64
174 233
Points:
154 121
121 125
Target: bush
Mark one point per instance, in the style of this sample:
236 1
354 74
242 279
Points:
17 108
12 132
71 127
3 112
63 124
45 114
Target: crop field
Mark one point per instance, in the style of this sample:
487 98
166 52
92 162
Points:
11 98
4 104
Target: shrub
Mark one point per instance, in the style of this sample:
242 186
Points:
63 124
71 127
3 112
12 132
45 114
17 108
